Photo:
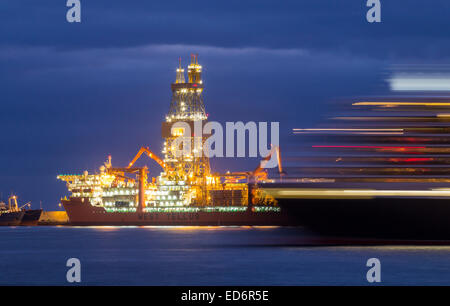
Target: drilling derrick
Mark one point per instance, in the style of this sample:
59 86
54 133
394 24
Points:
185 161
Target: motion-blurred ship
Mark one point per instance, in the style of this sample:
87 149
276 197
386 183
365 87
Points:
388 177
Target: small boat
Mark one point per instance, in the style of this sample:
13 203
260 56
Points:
11 214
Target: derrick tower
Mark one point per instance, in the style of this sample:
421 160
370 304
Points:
187 108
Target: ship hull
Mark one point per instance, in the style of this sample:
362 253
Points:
11 218
84 214
31 217
381 218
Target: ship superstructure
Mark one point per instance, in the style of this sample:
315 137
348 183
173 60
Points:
379 170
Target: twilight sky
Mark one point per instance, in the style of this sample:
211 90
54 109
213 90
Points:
73 93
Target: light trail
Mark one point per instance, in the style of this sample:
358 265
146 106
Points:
321 193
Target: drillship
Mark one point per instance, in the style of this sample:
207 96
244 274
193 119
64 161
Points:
185 192
380 171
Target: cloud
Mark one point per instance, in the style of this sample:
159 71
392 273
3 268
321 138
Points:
416 30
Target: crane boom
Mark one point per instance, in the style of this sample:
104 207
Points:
150 154
260 168
259 174
29 205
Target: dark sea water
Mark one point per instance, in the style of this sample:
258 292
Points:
206 256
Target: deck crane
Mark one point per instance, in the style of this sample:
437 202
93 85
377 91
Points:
13 206
12 203
259 173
